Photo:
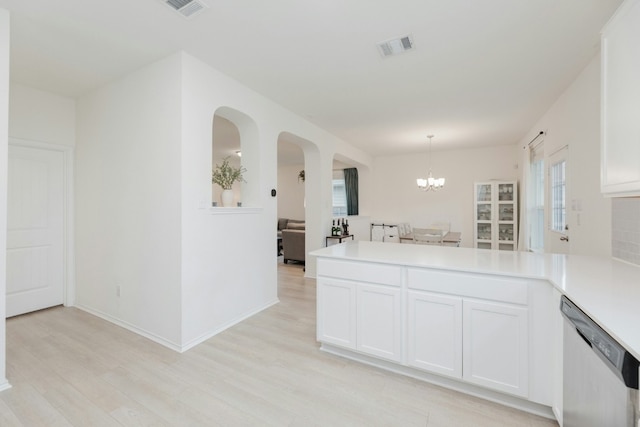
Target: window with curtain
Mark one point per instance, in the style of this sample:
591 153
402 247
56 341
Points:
535 212
558 205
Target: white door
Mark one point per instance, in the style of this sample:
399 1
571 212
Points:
557 235
34 229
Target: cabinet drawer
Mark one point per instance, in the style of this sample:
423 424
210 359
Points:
496 288
360 271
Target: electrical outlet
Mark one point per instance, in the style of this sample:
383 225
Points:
118 291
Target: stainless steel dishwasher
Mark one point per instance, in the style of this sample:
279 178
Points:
600 385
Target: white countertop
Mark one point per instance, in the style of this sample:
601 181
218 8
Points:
606 289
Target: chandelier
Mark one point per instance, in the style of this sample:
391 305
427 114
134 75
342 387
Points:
430 183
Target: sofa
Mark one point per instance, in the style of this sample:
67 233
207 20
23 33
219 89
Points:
292 232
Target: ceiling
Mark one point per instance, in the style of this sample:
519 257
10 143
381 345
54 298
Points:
481 74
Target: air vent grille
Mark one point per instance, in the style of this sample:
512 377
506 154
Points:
395 46
186 8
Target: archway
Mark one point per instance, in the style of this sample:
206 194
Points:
300 198
235 137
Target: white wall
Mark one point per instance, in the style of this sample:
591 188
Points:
4 143
290 192
574 120
228 272
397 199
36 115
128 201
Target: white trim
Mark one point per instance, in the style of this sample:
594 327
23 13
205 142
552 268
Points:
68 247
202 338
238 210
4 385
169 344
450 383
150 335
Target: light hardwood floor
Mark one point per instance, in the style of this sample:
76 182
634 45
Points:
70 368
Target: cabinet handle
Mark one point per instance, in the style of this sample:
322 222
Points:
564 238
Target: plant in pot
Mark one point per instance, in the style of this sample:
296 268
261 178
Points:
225 175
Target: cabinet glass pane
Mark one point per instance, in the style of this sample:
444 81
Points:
505 246
484 193
484 245
484 231
505 232
484 212
505 192
505 212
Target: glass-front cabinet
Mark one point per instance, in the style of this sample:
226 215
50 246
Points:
495 217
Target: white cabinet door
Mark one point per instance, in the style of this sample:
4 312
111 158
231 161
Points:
496 346
620 127
379 321
434 333
336 312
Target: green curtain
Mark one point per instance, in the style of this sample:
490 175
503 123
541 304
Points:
351 188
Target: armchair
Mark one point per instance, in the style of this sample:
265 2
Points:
293 247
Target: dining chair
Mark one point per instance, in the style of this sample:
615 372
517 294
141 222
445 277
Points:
427 236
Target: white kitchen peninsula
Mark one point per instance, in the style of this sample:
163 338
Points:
480 321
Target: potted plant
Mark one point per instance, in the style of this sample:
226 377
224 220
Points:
301 176
225 175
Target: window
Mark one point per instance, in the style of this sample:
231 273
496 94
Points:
339 194
558 189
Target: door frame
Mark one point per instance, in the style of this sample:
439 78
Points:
68 247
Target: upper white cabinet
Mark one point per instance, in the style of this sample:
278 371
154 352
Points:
620 131
496 215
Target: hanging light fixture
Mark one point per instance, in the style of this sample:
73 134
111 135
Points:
430 183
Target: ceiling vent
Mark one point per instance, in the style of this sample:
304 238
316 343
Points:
395 46
186 8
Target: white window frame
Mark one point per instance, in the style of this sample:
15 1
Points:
339 195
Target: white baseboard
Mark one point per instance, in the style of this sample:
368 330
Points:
470 389
202 338
4 385
150 335
180 348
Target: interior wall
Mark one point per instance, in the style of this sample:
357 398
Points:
397 198
4 149
127 186
229 264
291 192
574 120
36 115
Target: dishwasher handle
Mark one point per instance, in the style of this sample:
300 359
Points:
583 336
